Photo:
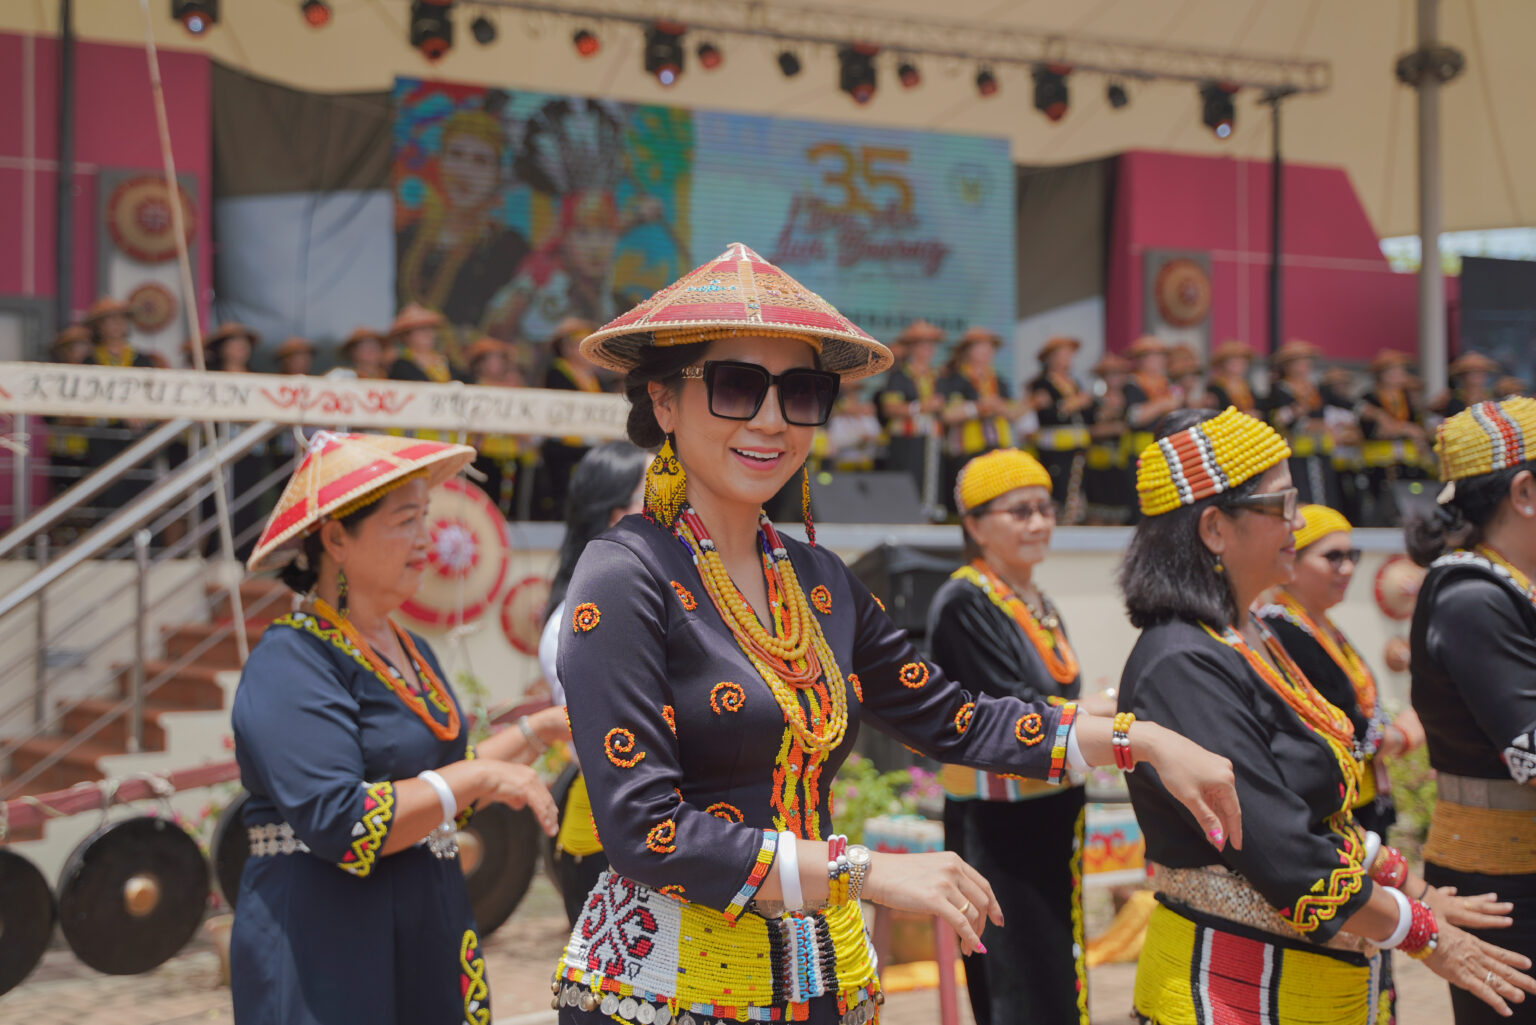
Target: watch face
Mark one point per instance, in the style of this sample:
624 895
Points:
858 855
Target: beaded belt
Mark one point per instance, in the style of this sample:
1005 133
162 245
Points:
1218 891
1494 840
647 957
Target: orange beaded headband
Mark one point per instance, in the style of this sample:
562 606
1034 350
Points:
1207 459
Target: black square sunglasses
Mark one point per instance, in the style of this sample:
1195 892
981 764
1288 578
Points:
737 390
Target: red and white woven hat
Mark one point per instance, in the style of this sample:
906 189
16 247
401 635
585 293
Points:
338 471
737 293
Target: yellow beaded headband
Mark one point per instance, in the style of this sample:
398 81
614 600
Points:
665 339
997 473
1483 438
1207 459
1318 521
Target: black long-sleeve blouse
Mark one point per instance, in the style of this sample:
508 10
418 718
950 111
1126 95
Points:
1473 661
1301 850
979 643
691 768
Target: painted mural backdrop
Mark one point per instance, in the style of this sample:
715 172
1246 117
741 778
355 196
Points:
514 210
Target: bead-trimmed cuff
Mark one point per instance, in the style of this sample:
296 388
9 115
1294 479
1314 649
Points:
760 867
1059 745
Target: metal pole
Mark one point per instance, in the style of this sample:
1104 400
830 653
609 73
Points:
40 668
1276 207
64 203
141 539
21 472
1432 358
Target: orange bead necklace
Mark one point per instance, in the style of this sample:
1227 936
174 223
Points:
1050 641
1338 648
415 702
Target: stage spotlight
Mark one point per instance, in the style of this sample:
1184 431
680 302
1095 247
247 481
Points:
710 56
664 51
789 64
585 42
1051 95
1217 111
483 29
432 27
856 71
1116 95
196 16
986 82
909 76
316 12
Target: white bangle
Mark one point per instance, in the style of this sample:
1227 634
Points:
444 794
1372 848
1075 760
787 864
1404 919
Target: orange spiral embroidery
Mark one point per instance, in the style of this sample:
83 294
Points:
1029 729
963 717
858 686
585 617
913 675
822 599
728 812
662 837
727 697
675 890
878 602
670 715
685 596
618 744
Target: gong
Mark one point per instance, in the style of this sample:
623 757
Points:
231 846
560 790
27 915
467 557
498 851
132 894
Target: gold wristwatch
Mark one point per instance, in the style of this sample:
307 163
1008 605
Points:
859 858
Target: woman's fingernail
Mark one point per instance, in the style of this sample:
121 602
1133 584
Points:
981 948
1218 836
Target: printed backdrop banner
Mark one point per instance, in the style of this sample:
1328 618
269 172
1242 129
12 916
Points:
514 210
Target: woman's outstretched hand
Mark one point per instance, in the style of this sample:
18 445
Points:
518 786
1483 911
1199 780
1492 974
936 884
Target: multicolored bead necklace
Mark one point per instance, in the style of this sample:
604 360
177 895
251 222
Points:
415 702
1338 648
798 656
1048 638
1518 578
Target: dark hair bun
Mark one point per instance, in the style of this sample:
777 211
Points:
664 365
302 581
641 426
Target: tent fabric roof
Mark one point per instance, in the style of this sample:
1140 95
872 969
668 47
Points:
1366 122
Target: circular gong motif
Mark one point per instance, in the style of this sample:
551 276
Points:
139 218
1183 293
151 306
132 895
231 847
502 845
27 915
466 558
1397 587
522 613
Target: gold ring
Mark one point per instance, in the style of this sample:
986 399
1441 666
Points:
967 906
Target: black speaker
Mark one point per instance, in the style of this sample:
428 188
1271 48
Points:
906 579
861 497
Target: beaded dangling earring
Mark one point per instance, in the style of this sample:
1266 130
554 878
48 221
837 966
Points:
805 505
341 593
1219 568
666 487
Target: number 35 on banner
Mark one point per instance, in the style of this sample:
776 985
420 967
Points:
863 179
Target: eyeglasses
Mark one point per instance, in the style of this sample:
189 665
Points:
1340 556
1026 511
1274 503
736 391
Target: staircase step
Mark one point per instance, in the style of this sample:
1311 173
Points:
222 653
263 599
192 687
86 713
80 765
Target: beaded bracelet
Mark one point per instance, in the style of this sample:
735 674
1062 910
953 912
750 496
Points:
1120 737
1423 935
1390 868
838 870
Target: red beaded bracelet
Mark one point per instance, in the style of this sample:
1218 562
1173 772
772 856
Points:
1120 739
1423 935
1391 868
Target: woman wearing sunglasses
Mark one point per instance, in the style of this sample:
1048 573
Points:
1473 644
717 675
1288 928
991 626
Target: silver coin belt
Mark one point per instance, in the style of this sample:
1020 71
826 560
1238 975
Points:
275 838
646 1013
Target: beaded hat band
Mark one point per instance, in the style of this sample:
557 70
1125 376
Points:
1207 459
997 473
1318 521
1483 438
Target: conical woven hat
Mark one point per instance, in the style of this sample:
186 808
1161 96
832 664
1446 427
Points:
738 292
341 468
